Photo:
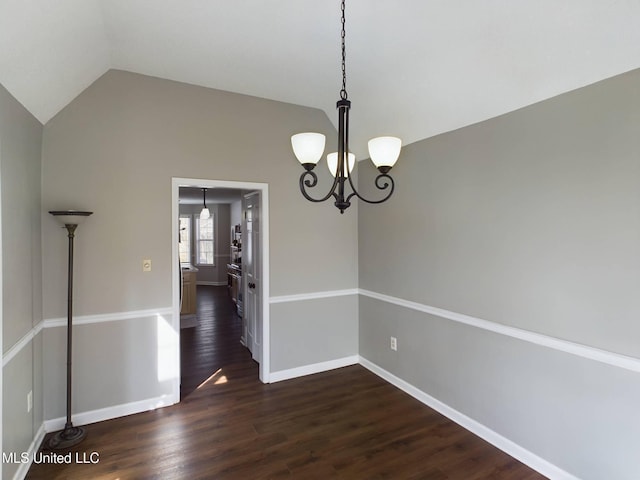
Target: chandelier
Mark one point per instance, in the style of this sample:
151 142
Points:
309 147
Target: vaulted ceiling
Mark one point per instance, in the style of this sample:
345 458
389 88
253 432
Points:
415 68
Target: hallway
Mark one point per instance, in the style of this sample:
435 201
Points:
214 342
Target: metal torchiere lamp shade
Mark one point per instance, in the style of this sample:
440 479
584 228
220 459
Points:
71 435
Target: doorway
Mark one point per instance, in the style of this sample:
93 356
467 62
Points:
215 290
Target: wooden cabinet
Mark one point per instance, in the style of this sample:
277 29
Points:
188 293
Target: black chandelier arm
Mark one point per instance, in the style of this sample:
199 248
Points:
312 182
379 185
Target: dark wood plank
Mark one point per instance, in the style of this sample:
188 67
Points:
214 342
343 424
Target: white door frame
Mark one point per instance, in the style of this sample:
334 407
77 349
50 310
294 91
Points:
176 183
1 306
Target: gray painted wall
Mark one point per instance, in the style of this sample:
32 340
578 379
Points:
530 220
20 140
236 213
114 363
295 342
114 150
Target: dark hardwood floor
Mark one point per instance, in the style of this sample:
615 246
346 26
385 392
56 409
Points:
342 424
214 342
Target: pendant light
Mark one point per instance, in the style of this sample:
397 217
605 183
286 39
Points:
308 148
204 213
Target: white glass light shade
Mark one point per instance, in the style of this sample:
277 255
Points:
70 217
332 162
384 151
308 147
204 213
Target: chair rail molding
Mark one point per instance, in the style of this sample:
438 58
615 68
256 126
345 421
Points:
585 351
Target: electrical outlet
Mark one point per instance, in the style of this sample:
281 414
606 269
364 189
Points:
29 401
393 343
146 265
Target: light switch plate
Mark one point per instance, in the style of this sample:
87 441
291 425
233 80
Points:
146 265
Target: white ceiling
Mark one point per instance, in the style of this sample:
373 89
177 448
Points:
193 195
415 68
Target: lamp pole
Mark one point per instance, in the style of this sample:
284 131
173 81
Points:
70 435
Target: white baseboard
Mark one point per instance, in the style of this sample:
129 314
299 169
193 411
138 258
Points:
537 463
313 368
23 469
108 413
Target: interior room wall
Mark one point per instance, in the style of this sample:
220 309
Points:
235 212
521 229
20 144
114 150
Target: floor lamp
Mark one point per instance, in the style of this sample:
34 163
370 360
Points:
71 435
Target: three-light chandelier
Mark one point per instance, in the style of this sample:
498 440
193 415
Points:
309 147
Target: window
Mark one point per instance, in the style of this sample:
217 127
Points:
204 241
184 239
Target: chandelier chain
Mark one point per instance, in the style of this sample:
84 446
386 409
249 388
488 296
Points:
343 92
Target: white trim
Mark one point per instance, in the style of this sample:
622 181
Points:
2 307
23 469
585 351
107 317
522 454
176 286
211 284
313 296
265 366
313 368
108 413
20 344
591 353
80 320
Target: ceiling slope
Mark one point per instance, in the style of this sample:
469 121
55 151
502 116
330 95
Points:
415 68
51 51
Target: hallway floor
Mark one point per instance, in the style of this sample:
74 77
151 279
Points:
214 342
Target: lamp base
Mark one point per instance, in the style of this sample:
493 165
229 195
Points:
68 437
